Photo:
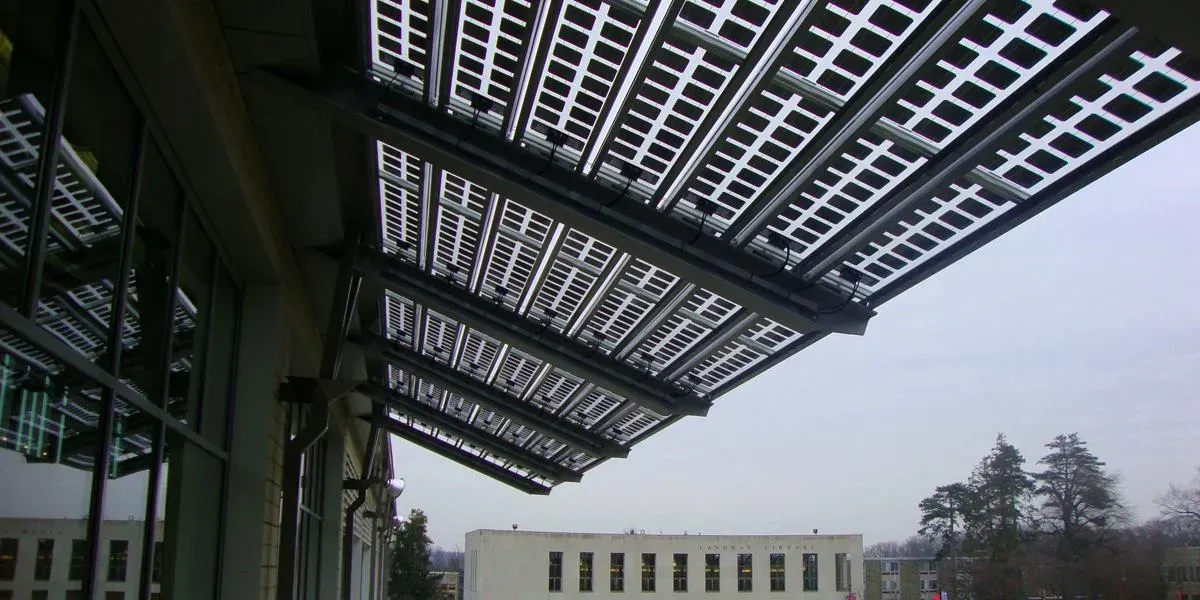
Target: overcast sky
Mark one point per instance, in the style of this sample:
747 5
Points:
1085 319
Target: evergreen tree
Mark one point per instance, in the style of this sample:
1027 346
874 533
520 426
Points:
409 577
944 516
1079 508
1001 493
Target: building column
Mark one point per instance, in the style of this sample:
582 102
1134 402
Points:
332 517
251 526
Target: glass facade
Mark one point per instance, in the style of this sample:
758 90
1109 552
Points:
117 323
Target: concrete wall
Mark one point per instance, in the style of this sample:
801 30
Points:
505 565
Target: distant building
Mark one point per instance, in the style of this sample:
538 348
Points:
1181 566
912 578
516 565
449 585
45 558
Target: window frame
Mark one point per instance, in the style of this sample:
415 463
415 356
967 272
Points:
679 572
616 572
586 559
811 566
712 572
554 572
649 571
745 572
778 572
10 553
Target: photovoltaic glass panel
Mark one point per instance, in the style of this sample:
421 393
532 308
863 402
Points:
402 32
586 55
489 51
606 78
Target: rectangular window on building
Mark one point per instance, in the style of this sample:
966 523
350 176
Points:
585 571
810 572
45 560
778 578
745 573
616 572
648 571
928 566
74 594
8 558
6 595
118 559
39 595
890 567
555 584
712 572
841 567
679 572
78 567
114 595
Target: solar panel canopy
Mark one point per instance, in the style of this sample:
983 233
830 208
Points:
852 147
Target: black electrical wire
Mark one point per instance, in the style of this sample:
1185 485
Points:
474 122
700 231
849 299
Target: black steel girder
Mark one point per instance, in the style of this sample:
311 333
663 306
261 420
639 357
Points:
414 408
452 452
361 103
484 395
531 337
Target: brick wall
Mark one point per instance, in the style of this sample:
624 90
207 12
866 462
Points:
273 503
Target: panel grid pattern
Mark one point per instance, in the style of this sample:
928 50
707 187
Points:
638 101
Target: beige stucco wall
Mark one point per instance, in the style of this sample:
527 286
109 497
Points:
507 565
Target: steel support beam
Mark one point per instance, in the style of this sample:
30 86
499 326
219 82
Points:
415 409
857 115
487 396
531 337
957 159
361 103
452 452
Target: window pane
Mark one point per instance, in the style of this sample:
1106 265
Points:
810 572
648 572
78 568
841 572
9 548
39 595
712 572
94 179
616 572
45 560
745 573
555 572
778 577
118 559
585 571
28 31
679 568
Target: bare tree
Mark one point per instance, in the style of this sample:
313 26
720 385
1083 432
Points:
1182 503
